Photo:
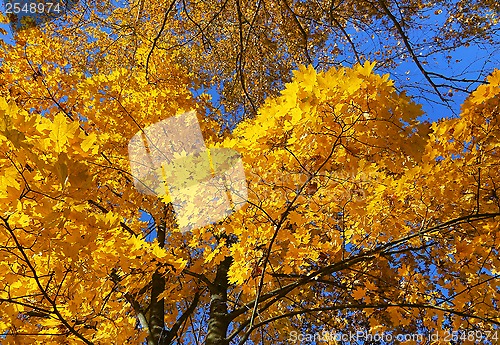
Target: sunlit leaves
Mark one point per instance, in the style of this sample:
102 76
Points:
347 192
354 171
61 132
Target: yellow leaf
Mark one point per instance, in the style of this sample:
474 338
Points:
61 132
367 68
159 252
8 178
358 294
88 142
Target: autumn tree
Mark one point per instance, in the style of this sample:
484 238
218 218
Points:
246 49
359 217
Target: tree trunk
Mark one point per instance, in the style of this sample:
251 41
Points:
157 307
218 321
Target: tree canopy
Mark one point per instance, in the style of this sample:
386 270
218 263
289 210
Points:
359 217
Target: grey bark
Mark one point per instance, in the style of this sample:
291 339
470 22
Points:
218 321
157 307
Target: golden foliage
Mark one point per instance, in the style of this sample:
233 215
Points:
359 216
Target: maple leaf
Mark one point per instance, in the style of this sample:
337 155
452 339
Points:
61 132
